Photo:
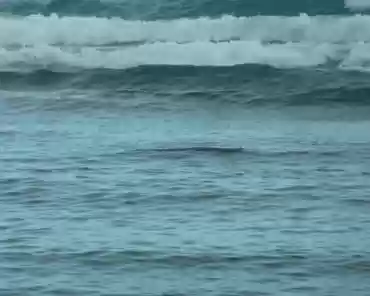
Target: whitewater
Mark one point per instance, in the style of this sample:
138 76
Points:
115 43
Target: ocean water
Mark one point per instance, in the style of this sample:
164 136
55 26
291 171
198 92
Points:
180 148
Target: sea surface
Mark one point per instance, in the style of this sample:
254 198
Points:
184 148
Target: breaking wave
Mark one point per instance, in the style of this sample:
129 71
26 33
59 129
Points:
39 42
78 31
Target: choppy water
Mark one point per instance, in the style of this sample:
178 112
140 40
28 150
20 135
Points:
184 148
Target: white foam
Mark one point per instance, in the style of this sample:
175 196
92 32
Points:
357 4
37 30
195 53
358 58
300 41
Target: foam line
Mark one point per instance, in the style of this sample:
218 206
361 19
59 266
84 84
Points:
41 30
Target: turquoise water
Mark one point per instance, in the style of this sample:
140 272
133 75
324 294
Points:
180 148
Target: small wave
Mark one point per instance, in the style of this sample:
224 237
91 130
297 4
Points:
219 150
277 260
147 257
179 152
340 95
205 149
35 79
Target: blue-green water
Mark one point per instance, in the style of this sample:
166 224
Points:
168 148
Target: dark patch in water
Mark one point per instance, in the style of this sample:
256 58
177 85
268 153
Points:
201 149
